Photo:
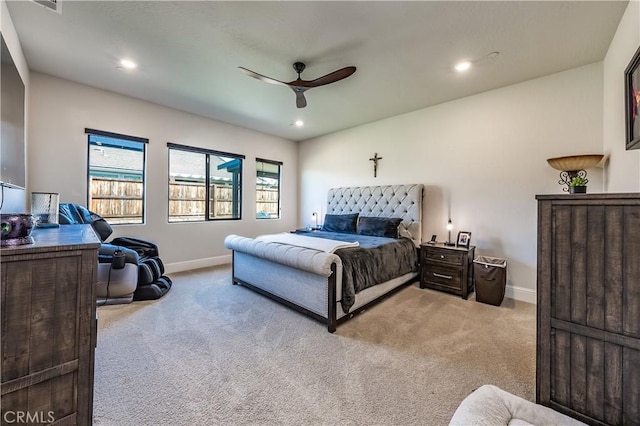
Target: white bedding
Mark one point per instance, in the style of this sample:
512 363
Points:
298 240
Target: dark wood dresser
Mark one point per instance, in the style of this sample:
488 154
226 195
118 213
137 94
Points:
588 343
447 268
49 327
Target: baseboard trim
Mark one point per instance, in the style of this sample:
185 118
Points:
197 264
520 293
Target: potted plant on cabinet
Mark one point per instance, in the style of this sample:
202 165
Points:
578 185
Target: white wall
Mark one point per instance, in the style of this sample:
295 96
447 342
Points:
623 172
481 158
15 200
60 110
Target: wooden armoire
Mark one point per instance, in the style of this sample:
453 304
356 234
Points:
588 336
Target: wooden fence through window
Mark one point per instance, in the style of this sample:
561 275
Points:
121 200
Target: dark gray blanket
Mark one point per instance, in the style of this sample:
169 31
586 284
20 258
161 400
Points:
375 261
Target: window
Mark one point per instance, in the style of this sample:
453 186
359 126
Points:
204 184
267 189
116 175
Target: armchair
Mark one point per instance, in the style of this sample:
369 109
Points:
128 268
117 283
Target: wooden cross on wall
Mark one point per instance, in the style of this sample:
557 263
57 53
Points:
375 159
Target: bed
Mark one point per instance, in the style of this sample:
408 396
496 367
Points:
316 281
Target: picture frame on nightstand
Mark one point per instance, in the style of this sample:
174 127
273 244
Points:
464 239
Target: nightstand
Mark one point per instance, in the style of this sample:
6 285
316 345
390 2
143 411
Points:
447 268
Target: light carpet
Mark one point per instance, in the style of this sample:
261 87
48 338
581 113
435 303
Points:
211 353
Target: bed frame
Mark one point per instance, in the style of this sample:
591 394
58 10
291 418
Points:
310 281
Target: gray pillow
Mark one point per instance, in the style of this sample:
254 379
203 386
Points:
345 223
379 226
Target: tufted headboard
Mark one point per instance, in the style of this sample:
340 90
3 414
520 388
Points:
403 201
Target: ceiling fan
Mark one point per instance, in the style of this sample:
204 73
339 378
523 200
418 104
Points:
299 86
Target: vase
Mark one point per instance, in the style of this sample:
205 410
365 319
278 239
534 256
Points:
577 190
16 229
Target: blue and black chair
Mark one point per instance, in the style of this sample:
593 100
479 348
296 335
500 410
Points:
129 268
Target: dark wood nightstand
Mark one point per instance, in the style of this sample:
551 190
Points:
447 268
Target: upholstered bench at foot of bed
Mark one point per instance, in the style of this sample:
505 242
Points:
309 260
302 277
491 406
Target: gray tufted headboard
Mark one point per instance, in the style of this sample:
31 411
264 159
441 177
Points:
403 201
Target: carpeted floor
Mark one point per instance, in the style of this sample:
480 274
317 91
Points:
210 353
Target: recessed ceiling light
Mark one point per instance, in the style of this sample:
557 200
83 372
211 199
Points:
299 123
462 66
128 64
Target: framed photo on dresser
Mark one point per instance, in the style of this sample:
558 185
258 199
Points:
464 239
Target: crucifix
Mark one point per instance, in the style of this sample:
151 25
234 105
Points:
375 159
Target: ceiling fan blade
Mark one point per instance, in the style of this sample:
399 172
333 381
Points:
261 77
332 77
299 86
301 102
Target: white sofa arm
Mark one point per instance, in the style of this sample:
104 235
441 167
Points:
298 257
491 406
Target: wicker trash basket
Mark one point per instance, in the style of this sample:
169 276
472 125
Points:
490 279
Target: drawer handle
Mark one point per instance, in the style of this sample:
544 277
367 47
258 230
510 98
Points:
442 256
448 277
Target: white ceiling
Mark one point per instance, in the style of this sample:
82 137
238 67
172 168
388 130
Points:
189 52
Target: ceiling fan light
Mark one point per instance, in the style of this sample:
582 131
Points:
128 64
299 123
462 66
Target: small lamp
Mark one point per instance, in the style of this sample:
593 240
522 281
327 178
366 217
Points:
449 228
314 215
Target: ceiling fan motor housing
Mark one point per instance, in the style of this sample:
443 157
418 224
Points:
299 67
